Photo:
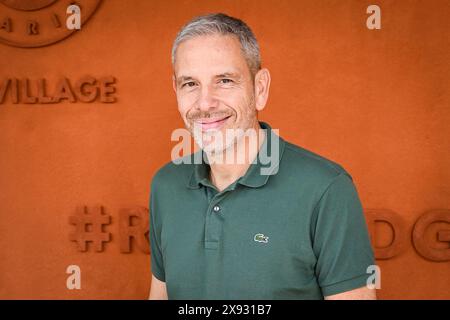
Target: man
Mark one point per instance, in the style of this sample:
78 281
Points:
229 229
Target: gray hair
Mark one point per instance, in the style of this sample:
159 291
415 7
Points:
219 23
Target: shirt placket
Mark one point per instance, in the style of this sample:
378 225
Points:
214 219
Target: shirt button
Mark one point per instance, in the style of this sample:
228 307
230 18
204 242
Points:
216 208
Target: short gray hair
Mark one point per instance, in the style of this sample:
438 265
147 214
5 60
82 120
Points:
219 23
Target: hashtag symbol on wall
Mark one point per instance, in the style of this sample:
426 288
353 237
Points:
89 228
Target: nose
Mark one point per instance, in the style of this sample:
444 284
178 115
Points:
206 100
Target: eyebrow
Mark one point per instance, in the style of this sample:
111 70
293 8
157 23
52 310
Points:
227 75
183 79
235 75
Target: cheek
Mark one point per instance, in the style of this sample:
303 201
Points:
240 104
231 99
185 103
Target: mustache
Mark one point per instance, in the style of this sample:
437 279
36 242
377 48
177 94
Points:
206 115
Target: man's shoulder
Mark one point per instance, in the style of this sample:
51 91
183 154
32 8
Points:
174 172
308 164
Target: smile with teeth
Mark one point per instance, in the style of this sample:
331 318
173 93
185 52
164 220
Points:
211 123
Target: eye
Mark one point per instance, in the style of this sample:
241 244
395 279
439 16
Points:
188 84
225 81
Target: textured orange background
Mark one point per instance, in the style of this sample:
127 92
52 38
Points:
375 101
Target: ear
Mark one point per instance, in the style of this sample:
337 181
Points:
262 85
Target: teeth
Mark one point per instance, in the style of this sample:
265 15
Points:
214 120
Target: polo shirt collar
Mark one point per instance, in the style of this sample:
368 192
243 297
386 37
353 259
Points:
253 177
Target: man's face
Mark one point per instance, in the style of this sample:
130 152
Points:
214 89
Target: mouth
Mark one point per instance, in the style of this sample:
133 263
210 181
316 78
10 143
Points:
211 123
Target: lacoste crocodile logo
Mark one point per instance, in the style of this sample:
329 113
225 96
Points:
259 237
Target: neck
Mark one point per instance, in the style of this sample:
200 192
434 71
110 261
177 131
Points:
242 154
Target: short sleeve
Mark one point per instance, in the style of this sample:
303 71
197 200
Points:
157 262
341 241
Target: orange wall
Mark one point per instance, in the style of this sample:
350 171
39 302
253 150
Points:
375 101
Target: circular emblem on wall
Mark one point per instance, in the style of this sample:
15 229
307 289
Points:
38 23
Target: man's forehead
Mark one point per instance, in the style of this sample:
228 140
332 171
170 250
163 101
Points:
210 56
208 51
217 42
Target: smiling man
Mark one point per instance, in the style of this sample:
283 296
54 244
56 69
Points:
228 229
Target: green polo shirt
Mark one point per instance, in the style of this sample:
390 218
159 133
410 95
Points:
296 233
